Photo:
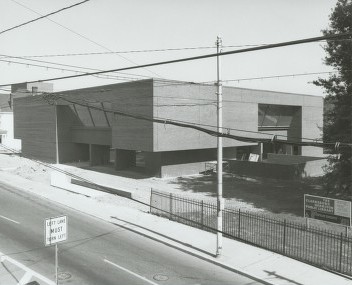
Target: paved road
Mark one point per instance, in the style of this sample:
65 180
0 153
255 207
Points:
96 252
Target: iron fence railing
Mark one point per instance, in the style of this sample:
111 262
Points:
320 247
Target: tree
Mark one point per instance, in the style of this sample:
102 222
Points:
338 89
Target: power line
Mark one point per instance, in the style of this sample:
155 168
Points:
279 76
165 83
160 84
51 98
3 59
80 35
43 16
282 44
129 51
147 50
70 70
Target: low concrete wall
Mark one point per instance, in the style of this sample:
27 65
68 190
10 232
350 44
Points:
63 181
182 169
306 169
187 162
102 188
290 159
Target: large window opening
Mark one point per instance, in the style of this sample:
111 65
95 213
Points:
282 121
275 116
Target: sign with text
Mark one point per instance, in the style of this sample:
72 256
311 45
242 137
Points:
327 209
253 157
55 230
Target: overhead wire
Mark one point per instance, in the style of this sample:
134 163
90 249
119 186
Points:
275 76
213 103
62 67
3 56
270 46
42 17
278 76
163 82
150 50
82 36
51 98
104 76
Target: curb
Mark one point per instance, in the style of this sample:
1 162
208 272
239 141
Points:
185 250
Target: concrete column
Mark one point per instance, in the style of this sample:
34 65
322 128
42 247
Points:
99 154
124 159
261 150
153 163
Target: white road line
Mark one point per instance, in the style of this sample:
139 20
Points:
25 279
9 220
28 272
130 272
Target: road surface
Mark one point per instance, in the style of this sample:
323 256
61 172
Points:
96 252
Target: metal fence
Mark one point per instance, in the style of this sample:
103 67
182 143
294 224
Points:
320 247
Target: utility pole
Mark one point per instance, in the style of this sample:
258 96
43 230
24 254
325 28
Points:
220 201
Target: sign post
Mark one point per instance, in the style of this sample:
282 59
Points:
55 232
328 210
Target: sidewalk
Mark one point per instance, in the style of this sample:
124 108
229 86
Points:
261 265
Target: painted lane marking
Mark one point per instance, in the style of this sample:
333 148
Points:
130 272
9 219
29 273
25 279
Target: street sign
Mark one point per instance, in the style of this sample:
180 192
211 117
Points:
327 209
55 230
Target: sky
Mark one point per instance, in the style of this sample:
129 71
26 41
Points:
137 25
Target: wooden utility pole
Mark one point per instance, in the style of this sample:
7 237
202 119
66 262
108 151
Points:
220 201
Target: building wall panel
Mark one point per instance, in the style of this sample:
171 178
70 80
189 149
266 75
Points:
34 123
195 104
129 133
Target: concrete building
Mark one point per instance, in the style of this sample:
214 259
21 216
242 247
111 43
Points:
87 134
6 110
6 120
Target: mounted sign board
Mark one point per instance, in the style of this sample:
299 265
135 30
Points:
253 157
327 209
55 230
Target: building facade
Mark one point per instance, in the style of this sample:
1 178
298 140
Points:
7 137
93 133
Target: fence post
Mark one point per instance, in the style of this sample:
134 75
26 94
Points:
170 206
284 239
340 263
150 200
239 223
202 214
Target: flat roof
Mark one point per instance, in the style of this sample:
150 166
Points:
179 81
